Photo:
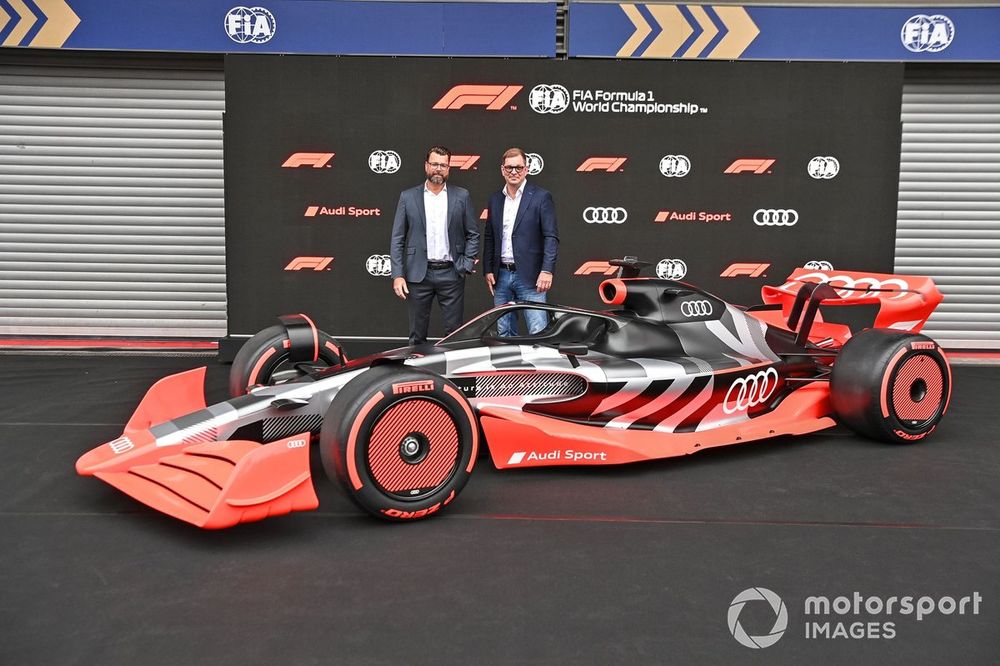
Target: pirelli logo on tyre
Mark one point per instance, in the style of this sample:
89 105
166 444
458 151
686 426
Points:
605 215
493 97
421 386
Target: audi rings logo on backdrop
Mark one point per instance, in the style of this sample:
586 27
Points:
384 161
775 217
780 618
379 265
250 24
700 308
604 215
535 163
750 391
823 167
818 265
548 98
675 166
927 33
671 269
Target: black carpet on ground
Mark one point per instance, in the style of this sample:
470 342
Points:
633 564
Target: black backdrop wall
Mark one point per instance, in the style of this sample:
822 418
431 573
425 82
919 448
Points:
308 231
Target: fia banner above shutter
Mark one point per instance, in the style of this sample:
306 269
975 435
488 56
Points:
283 26
732 32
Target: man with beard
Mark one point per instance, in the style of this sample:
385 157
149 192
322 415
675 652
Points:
434 245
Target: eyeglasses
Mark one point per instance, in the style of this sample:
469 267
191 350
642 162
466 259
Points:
513 169
438 165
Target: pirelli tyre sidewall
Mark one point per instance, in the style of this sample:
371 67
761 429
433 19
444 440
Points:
261 355
891 386
402 441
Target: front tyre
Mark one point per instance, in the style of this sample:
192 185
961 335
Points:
890 386
266 359
402 441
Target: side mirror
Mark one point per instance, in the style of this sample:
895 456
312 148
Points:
573 349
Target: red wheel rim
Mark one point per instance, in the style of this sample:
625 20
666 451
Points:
413 448
918 390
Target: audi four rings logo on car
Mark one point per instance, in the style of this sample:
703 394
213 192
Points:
854 286
818 265
535 163
750 391
671 269
698 308
379 265
675 166
250 24
823 167
927 33
548 98
604 215
384 161
775 217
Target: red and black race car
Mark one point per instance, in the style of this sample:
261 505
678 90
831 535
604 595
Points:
671 370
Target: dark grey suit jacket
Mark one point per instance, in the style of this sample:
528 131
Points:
408 249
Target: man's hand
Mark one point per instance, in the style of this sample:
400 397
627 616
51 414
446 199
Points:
399 286
490 282
544 282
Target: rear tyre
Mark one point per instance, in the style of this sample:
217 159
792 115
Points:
890 386
264 360
402 441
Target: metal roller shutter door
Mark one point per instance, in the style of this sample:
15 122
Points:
948 224
111 202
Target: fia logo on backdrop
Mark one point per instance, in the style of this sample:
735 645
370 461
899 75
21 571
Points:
246 25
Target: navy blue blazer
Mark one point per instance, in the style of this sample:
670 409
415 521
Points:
408 244
535 237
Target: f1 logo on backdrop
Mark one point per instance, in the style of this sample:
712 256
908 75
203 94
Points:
604 215
671 269
675 166
314 160
548 98
463 162
596 268
775 217
493 97
823 167
309 263
757 166
609 164
744 270
384 161
535 164
927 33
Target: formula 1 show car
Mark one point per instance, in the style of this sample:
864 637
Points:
671 370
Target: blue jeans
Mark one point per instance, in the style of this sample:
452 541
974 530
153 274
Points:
510 287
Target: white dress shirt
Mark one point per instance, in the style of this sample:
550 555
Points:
510 206
436 212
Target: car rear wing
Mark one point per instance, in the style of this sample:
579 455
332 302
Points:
904 301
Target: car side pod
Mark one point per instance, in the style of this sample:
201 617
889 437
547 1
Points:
212 484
